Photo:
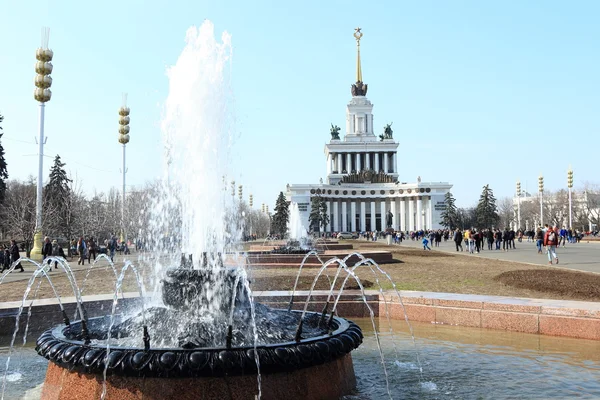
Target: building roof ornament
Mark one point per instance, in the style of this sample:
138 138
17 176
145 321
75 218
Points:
368 176
359 88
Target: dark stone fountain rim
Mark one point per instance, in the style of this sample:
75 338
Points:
198 362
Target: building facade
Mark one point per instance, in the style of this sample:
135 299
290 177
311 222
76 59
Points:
362 188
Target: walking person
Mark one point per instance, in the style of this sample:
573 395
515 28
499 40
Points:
425 243
47 252
539 239
92 250
458 238
498 236
81 249
505 240
551 241
112 247
14 254
56 252
471 240
6 260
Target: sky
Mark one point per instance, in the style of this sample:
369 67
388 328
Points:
478 92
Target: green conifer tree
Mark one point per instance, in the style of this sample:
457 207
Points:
281 216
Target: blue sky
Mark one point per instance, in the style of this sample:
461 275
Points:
478 92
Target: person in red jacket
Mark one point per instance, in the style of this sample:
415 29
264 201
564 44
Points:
551 241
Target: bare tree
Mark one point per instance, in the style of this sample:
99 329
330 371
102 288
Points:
19 211
506 211
557 208
589 201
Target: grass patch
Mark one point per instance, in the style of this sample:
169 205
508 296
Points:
570 284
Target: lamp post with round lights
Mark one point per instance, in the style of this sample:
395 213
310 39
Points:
518 205
541 190
250 203
570 186
43 94
124 139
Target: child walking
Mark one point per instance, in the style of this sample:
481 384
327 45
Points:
425 243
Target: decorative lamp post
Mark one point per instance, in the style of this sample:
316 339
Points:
570 186
518 205
43 94
232 188
541 190
240 191
250 203
123 139
262 208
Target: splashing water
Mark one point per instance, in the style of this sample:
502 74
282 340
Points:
193 212
297 228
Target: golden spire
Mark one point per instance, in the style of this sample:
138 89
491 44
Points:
357 35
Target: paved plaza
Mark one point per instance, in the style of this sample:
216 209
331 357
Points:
30 268
577 256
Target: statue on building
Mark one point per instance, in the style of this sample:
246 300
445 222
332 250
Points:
387 132
321 181
359 89
287 187
389 219
335 132
419 179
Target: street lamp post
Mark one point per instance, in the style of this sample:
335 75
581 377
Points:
123 139
518 205
43 94
541 190
570 186
251 203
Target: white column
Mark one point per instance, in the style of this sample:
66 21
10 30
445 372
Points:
383 213
367 160
394 214
419 216
353 216
395 162
411 214
349 162
376 161
430 213
336 216
344 215
328 163
373 216
363 216
328 227
338 162
358 166
402 214
385 162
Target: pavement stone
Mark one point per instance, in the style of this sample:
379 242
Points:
576 256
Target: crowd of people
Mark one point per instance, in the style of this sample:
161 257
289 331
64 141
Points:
84 248
547 238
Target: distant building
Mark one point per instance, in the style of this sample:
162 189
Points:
362 184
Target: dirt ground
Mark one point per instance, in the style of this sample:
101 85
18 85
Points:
414 269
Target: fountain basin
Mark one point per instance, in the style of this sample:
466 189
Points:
320 364
329 380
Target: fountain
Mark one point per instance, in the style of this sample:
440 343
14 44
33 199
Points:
297 229
199 327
